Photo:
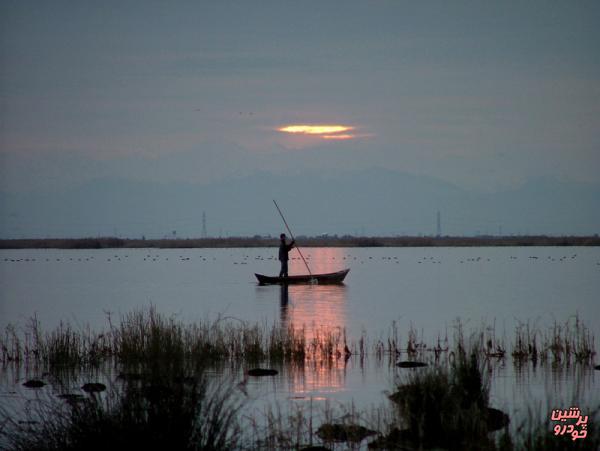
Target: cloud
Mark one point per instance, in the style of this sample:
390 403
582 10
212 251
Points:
315 129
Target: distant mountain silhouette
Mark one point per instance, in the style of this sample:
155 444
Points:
371 202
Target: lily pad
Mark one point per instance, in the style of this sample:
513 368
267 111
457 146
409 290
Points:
496 419
411 364
262 372
396 439
93 387
398 395
344 432
157 392
72 397
130 377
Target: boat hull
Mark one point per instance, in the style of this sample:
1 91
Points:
329 278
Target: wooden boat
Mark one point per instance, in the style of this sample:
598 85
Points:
332 277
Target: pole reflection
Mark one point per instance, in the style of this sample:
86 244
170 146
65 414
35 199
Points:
283 304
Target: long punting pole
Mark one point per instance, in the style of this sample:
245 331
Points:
292 236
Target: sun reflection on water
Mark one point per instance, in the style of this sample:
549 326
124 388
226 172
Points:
319 310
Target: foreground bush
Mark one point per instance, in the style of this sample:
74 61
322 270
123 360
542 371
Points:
448 408
154 409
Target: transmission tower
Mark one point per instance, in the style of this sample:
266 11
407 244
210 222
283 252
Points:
439 224
204 233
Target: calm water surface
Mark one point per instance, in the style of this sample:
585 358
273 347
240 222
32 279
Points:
423 288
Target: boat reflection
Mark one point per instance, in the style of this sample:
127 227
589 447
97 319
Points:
284 300
315 308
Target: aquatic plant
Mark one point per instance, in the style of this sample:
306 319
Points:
160 360
570 340
61 346
147 335
10 345
562 343
525 346
274 429
445 407
287 343
161 410
306 427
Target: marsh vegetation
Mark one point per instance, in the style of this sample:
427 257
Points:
163 395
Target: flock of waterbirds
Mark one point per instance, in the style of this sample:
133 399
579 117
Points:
245 259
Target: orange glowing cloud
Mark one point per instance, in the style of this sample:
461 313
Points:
334 132
340 137
319 130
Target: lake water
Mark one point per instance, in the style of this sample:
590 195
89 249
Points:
423 288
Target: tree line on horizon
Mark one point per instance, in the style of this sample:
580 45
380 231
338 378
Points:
306 241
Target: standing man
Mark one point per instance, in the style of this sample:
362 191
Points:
284 249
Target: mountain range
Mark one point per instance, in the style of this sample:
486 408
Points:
370 202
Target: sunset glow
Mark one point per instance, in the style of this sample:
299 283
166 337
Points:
319 311
315 129
340 137
318 130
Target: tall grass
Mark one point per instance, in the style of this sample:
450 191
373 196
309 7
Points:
170 407
62 346
276 429
164 398
563 343
446 407
146 335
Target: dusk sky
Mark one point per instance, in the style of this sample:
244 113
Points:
483 95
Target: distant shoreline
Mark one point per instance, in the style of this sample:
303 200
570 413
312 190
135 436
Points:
327 241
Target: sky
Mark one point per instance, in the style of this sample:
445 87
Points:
485 96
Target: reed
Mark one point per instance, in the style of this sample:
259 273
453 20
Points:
326 344
162 410
147 335
307 427
275 429
569 341
163 398
10 344
61 346
287 343
446 407
563 343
